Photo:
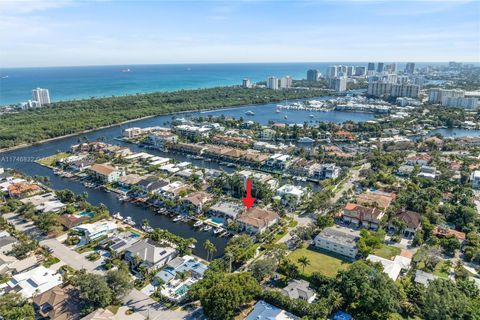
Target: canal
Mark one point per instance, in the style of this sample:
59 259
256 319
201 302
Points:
24 161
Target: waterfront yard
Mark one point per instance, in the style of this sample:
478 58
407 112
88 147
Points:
321 261
51 160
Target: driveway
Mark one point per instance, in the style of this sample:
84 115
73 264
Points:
150 308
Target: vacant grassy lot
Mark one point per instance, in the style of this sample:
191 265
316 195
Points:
387 252
320 261
51 160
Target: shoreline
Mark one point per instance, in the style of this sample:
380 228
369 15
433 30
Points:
26 145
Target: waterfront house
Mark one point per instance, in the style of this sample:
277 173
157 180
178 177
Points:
104 172
119 242
264 178
192 131
278 161
173 189
33 282
268 134
263 310
69 221
195 202
131 132
290 195
93 231
337 240
58 304
22 189
151 254
232 141
410 219
160 139
365 216
299 289
256 220
227 209
326 171
151 184
129 180
46 202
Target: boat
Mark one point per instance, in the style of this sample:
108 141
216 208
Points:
4 77
312 116
277 111
191 246
250 113
198 158
198 223
129 220
218 230
118 216
231 165
207 228
125 70
177 218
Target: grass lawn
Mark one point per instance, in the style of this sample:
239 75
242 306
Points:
113 308
439 270
387 252
320 261
50 161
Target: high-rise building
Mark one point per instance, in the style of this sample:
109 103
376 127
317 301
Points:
247 83
332 71
381 88
360 71
272 83
286 82
41 96
371 66
339 84
380 67
391 68
350 71
439 95
313 74
410 68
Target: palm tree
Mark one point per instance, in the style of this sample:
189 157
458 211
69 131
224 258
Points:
303 261
210 247
145 223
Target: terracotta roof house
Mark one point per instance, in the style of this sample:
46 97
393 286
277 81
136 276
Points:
444 231
22 189
105 172
70 221
411 219
358 214
57 304
256 220
195 201
380 201
420 159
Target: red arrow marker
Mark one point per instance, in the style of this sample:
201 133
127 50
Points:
249 200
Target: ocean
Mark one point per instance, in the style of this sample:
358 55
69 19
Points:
68 83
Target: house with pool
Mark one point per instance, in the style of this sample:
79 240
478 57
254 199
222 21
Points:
179 275
94 231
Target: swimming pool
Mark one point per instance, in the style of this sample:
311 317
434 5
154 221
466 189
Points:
86 213
182 290
217 220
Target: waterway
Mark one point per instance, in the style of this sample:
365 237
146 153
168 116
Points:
24 161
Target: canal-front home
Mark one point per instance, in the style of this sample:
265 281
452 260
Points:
93 231
227 209
290 195
195 202
105 173
256 220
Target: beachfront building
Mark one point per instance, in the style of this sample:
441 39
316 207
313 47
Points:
337 241
41 96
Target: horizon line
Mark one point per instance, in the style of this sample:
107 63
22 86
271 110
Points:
219 63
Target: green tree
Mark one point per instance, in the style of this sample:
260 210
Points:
210 248
263 268
14 307
240 249
304 262
93 291
120 282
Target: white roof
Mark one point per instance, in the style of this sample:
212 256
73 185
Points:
94 228
4 186
158 160
263 310
35 281
391 267
289 189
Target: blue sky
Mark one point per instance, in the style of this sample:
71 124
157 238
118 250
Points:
68 32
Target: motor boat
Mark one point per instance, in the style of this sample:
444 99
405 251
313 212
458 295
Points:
118 216
191 246
207 228
218 231
198 223
250 113
177 218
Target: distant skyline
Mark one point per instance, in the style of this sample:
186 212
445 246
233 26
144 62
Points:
38 33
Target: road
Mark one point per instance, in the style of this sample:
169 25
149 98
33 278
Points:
141 302
354 175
